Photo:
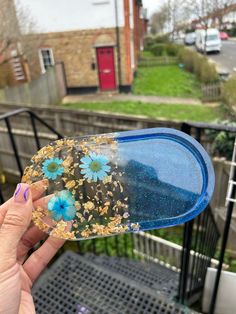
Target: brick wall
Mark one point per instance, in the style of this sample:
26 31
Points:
76 49
128 38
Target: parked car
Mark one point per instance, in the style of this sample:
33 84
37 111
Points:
208 40
190 39
224 36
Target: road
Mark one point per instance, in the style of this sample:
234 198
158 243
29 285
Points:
226 60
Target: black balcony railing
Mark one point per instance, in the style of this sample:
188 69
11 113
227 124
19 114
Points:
203 238
199 237
7 117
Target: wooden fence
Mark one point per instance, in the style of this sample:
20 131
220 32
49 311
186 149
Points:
212 91
157 61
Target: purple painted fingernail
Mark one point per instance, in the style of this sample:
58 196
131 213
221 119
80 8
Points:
21 194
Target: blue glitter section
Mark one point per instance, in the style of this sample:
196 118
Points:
168 185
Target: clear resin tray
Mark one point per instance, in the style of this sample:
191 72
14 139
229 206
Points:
123 182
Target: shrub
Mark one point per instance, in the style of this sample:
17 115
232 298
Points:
222 142
149 41
186 57
172 50
158 49
162 39
208 73
199 65
229 92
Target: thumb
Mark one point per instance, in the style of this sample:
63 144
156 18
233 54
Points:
15 223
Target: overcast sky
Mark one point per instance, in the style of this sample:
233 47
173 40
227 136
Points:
152 5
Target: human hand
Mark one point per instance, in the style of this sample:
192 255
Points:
17 237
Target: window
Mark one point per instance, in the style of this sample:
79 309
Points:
46 59
212 37
100 2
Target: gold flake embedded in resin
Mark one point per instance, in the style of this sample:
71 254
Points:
85 196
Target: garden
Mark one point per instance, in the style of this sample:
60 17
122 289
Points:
169 80
167 69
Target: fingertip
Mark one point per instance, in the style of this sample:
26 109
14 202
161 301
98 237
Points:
38 188
22 194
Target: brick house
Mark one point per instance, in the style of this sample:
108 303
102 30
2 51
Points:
98 41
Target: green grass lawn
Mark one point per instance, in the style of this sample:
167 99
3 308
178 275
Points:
166 81
179 112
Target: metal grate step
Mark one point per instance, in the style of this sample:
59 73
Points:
149 274
76 285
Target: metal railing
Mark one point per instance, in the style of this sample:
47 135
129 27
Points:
33 118
200 239
201 234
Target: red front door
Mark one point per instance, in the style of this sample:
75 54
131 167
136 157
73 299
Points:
106 68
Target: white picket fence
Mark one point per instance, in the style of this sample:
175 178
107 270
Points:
153 248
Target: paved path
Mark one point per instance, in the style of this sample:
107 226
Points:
129 97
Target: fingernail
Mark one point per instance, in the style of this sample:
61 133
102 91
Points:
21 194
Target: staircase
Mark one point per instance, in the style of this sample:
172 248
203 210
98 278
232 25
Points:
148 274
104 285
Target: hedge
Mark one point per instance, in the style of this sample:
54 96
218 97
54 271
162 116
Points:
229 92
199 65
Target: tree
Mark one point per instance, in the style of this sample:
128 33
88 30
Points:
222 7
15 24
206 11
177 16
171 17
159 20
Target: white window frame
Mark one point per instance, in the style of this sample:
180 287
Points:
99 2
41 58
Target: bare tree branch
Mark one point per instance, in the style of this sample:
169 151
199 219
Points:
15 24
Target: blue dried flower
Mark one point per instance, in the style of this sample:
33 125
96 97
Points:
62 206
52 168
95 167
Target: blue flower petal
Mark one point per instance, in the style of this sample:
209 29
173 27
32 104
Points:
51 203
103 160
46 162
84 171
102 174
61 206
84 166
61 169
56 216
52 174
67 196
89 176
69 213
95 176
86 160
58 161
93 156
92 174
106 168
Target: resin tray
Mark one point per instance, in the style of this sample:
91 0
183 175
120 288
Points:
115 183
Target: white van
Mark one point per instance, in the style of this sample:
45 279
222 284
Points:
208 40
